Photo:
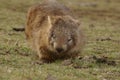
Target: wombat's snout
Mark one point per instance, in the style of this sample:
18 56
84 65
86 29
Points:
59 50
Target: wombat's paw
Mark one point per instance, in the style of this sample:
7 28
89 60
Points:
45 61
41 62
67 62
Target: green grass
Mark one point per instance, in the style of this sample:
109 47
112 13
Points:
100 59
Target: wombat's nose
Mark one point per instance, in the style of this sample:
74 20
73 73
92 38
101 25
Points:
59 50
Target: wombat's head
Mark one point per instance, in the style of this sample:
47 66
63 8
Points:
63 34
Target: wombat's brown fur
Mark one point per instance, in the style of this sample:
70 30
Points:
52 32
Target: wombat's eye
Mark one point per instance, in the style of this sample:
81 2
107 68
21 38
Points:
53 36
70 40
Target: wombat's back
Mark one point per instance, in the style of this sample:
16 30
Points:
52 7
38 14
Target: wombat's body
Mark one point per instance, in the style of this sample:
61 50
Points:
52 32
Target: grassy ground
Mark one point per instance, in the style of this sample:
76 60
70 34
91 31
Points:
100 60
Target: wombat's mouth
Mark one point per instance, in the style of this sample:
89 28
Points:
60 51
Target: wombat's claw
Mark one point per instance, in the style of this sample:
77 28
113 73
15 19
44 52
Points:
39 62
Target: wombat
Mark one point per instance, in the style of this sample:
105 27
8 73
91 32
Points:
53 32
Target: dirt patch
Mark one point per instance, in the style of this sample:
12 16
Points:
89 62
18 29
104 60
104 39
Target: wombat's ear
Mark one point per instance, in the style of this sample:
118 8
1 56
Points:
74 20
78 23
52 19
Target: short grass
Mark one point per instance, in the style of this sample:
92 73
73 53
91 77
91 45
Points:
100 60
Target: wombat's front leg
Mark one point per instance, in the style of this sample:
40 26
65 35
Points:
39 53
43 57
